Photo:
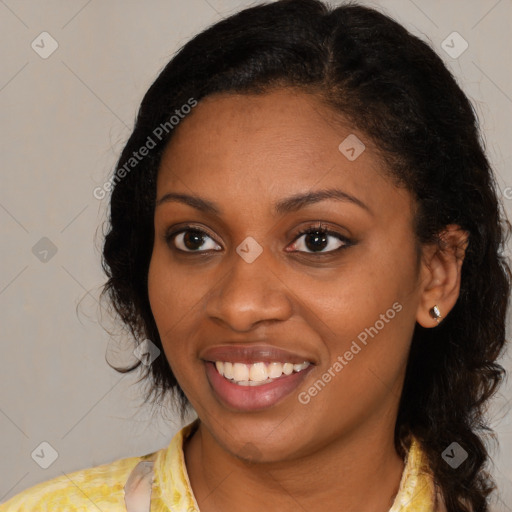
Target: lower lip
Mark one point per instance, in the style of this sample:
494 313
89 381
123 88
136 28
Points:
253 398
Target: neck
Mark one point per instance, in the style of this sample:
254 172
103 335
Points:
359 472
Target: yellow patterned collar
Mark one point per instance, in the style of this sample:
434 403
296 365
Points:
172 489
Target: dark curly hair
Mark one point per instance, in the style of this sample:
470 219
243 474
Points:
394 88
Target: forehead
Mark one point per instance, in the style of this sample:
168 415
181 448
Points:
236 147
285 124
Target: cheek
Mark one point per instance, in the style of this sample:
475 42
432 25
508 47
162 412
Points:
172 291
366 316
353 297
175 298
366 330
166 297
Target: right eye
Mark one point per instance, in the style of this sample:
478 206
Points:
191 239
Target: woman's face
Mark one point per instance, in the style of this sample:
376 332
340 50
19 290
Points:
232 280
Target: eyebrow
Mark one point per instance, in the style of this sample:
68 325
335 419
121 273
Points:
288 205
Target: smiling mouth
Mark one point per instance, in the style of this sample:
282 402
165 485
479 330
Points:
259 373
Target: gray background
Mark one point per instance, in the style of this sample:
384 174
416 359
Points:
65 120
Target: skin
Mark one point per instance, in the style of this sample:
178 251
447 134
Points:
245 153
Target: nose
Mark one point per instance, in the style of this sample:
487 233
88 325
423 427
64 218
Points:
249 294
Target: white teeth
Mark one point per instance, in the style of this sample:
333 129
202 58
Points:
257 373
275 370
228 370
287 368
299 367
252 383
240 371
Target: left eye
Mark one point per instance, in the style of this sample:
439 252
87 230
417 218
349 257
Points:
190 240
317 240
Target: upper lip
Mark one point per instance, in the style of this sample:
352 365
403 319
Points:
248 354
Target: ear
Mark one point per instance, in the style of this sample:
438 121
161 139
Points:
441 273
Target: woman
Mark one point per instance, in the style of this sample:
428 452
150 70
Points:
304 222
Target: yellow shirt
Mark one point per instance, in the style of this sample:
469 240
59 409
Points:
101 488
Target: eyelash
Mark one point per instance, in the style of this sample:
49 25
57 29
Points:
319 227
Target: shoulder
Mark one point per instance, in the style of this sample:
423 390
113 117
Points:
96 488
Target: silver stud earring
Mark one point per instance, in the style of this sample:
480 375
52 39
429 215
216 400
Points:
435 313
